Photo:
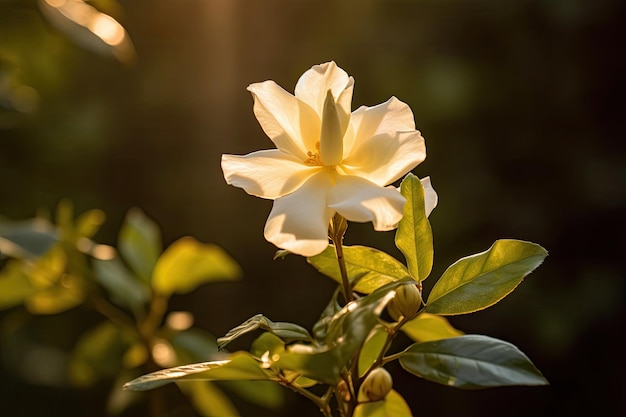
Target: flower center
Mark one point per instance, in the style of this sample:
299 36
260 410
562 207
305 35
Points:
314 157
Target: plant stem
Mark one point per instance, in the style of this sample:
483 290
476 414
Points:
338 226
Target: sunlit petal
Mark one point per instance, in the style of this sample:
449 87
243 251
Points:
388 117
299 221
430 196
267 174
359 200
291 124
314 83
385 158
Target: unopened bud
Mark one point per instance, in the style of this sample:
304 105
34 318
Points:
343 390
406 303
377 384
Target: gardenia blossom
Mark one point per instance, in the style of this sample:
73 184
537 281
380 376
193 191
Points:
328 159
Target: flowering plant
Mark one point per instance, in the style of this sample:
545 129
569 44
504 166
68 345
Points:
332 166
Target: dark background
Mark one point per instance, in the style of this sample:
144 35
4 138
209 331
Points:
521 103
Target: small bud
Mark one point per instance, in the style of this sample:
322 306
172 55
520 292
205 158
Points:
377 384
406 303
331 137
343 391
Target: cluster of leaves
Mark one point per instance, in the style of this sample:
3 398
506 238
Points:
55 268
350 342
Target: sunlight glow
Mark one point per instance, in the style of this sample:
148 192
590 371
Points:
179 320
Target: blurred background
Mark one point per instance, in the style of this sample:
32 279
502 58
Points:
521 103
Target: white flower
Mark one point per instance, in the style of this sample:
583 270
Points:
328 160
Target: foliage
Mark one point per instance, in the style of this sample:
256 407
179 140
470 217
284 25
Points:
52 268
353 338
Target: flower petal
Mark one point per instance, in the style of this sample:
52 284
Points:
315 83
299 221
430 196
266 174
388 117
291 124
384 158
359 200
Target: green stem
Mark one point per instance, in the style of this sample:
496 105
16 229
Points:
338 226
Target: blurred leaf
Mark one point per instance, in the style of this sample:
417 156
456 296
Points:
140 243
392 406
88 223
124 287
237 366
371 348
194 345
187 264
119 400
66 294
207 399
427 327
471 362
479 281
15 286
414 236
88 27
98 354
372 267
268 394
289 332
26 239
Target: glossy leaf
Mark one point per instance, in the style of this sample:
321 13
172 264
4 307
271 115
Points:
346 333
371 348
414 236
207 399
187 264
471 362
237 366
139 243
320 328
427 327
124 288
288 332
392 406
367 268
479 281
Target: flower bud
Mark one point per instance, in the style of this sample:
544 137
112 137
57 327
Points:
406 303
377 384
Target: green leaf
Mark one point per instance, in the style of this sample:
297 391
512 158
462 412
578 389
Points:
372 267
98 354
266 394
187 264
208 400
15 286
371 348
237 366
139 243
124 288
479 281
194 345
414 236
346 333
427 327
288 332
88 223
392 406
320 328
27 239
471 362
